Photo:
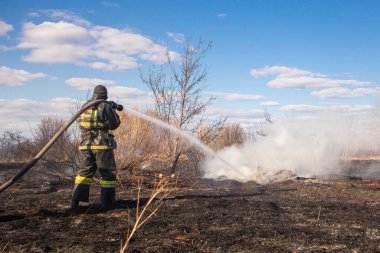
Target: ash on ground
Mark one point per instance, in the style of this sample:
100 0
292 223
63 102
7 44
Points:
293 215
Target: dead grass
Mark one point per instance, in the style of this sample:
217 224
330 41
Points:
163 186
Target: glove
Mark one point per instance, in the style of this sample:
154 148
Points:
116 106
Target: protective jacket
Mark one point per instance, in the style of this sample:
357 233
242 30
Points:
95 124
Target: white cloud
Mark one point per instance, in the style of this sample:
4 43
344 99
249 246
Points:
222 15
114 90
286 77
356 109
138 102
273 70
340 92
237 96
368 91
51 42
122 91
5 28
242 97
98 47
343 109
58 54
51 33
302 108
87 83
17 77
57 14
177 37
16 113
270 103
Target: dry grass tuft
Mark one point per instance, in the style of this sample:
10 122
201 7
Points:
163 186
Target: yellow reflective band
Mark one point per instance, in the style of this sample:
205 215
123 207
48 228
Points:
89 119
83 180
85 115
107 182
89 124
94 147
89 114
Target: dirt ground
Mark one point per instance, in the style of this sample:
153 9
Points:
297 215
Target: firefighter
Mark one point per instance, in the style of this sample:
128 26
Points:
97 147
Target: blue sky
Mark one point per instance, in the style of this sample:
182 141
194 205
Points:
286 57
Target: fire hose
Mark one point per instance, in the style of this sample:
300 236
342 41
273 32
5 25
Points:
32 162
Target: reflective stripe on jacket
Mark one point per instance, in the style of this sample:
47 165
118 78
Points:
98 140
89 120
95 124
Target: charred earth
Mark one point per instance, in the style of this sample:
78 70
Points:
296 215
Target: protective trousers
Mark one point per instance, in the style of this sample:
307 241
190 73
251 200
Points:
104 161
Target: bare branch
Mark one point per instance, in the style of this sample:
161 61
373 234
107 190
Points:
177 90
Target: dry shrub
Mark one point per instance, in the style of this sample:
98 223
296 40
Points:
139 145
13 146
163 186
229 135
62 158
144 147
45 131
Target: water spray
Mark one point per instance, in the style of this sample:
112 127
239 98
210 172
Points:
207 150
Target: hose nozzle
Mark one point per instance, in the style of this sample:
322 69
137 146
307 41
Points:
116 106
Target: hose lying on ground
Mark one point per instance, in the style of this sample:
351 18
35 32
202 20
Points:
49 144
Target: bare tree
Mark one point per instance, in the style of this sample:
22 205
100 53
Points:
138 142
177 90
63 156
10 144
46 130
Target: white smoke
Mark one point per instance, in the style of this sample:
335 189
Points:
303 147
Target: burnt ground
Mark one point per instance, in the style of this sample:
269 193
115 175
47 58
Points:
298 215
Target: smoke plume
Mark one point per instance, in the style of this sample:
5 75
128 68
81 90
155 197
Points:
319 147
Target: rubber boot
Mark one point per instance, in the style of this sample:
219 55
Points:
107 198
74 204
81 193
